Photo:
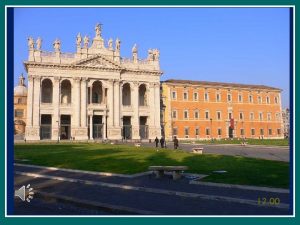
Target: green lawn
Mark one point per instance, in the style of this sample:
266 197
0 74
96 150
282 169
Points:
273 142
129 160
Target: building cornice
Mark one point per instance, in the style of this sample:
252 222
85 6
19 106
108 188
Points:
28 64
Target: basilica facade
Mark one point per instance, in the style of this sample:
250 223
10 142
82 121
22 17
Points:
93 93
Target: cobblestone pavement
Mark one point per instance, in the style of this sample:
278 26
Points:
145 193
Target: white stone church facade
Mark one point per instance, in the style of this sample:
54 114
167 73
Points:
93 93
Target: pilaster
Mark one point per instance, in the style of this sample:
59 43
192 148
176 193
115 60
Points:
33 132
135 105
56 106
83 103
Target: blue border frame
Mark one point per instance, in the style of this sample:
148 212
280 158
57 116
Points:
291 110
10 110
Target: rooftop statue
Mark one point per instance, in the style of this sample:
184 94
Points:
56 45
39 43
134 49
118 44
134 53
98 30
110 44
78 39
156 54
86 41
150 55
30 43
21 80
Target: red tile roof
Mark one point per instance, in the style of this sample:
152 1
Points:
220 84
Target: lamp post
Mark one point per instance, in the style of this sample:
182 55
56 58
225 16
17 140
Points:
58 132
243 129
164 119
122 129
163 107
211 129
235 129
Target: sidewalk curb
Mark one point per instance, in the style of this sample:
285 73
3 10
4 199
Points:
244 187
248 145
199 176
84 171
121 210
155 190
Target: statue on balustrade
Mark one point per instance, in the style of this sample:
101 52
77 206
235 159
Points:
56 45
118 44
30 43
78 40
98 30
86 41
110 44
39 43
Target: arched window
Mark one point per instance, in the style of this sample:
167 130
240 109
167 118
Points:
142 95
47 91
97 92
126 94
65 92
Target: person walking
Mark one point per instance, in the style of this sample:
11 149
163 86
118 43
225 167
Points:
156 142
162 142
175 143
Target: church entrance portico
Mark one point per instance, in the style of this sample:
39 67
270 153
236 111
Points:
97 128
93 93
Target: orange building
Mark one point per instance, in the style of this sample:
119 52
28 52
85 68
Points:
205 110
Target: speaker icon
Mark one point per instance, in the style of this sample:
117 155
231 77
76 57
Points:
21 193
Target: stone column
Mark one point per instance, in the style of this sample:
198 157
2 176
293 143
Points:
77 101
35 132
103 100
104 126
157 108
113 120
36 101
135 105
31 132
110 103
91 91
83 103
117 103
29 101
56 105
151 103
91 127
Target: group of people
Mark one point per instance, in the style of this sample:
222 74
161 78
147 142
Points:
163 143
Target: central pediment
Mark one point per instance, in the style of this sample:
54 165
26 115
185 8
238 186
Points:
97 61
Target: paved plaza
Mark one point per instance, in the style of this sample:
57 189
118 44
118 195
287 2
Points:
278 153
143 194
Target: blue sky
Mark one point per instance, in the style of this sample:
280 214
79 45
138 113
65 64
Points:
240 45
